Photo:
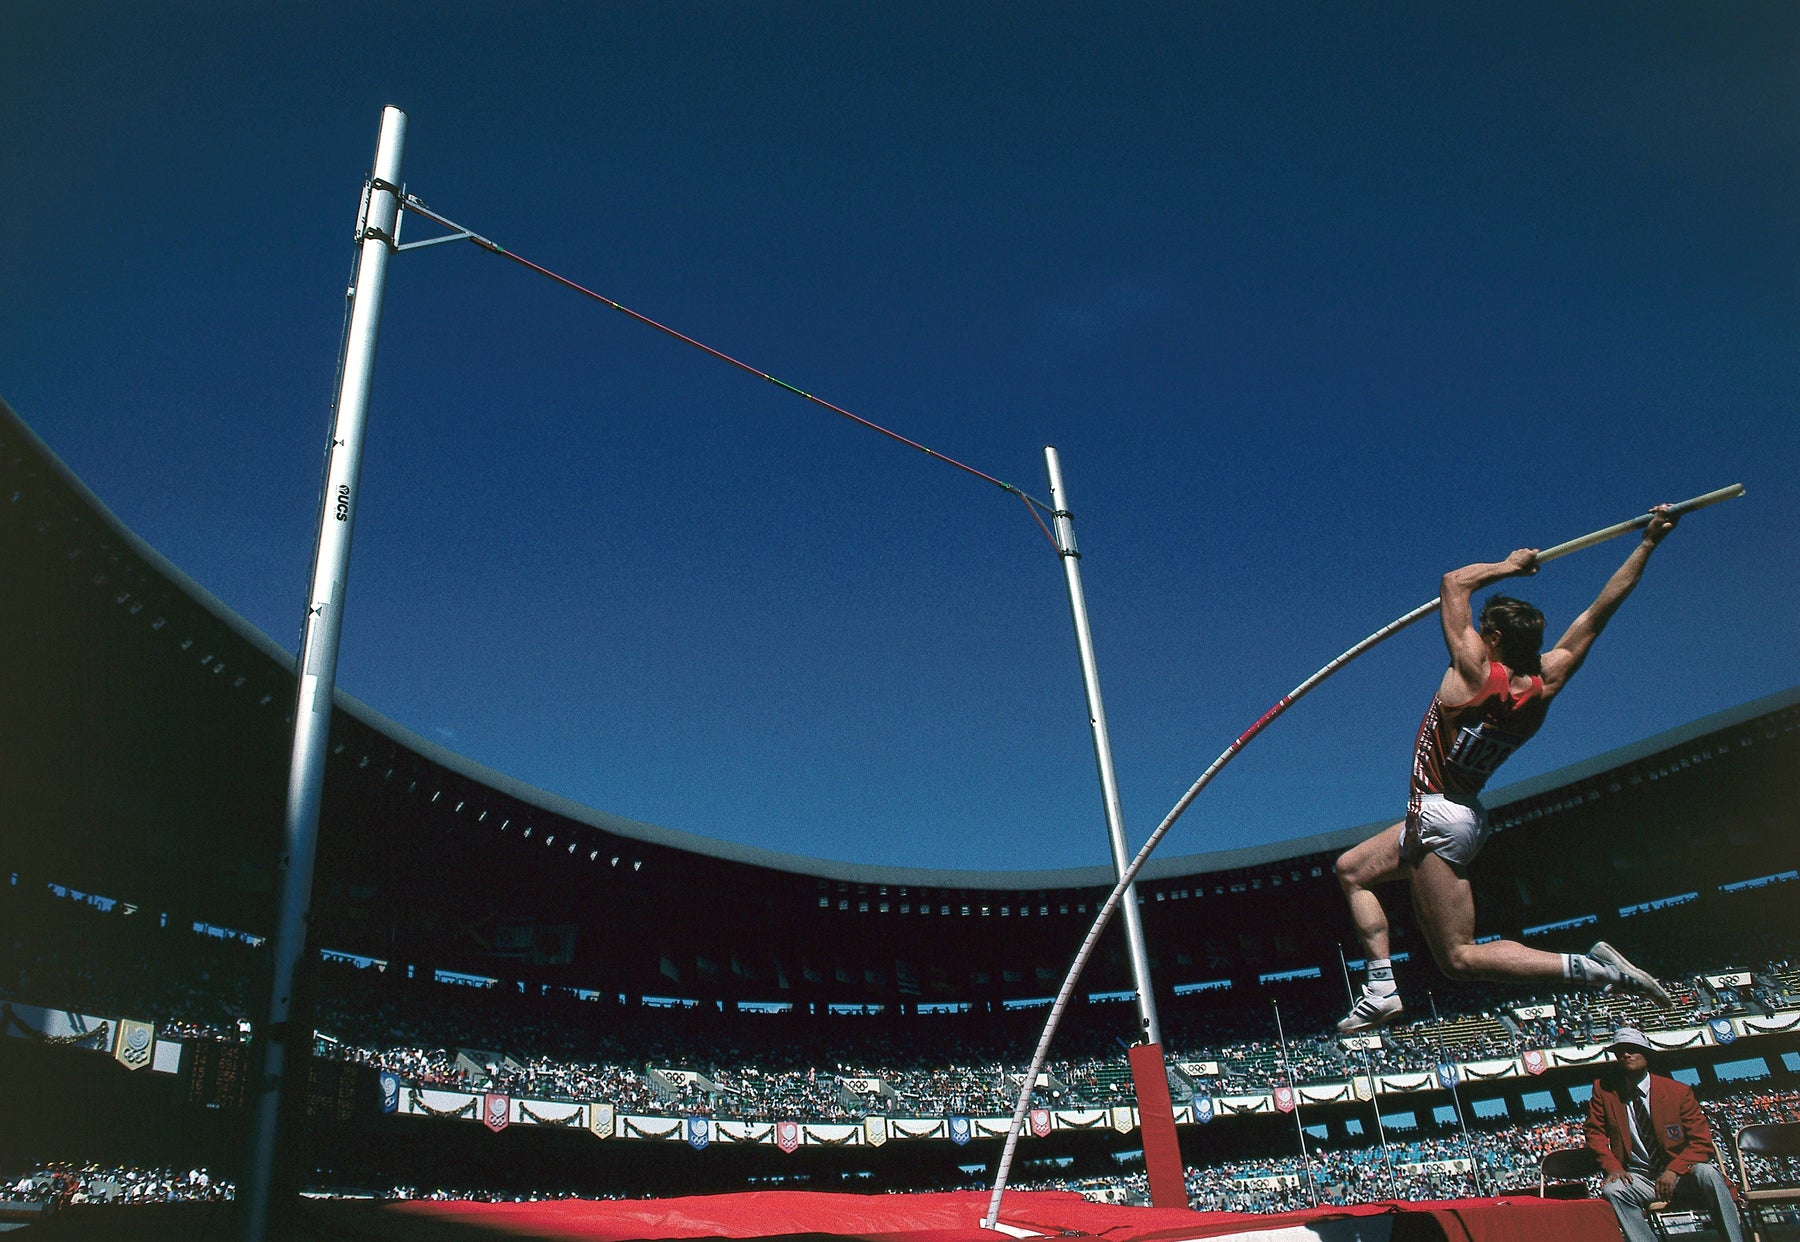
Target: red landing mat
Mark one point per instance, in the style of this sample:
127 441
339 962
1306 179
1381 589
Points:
794 1216
956 1218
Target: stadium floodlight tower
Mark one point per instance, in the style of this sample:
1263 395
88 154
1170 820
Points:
1149 1075
280 1043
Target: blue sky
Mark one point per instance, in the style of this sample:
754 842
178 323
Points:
1316 302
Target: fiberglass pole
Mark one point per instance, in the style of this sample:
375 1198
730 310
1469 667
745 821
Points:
280 1043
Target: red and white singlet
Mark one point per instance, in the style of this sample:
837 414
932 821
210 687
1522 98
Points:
1459 747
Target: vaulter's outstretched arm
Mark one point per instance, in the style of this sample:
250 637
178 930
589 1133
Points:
1468 654
1561 661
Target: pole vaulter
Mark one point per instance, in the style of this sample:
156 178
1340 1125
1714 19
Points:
1126 879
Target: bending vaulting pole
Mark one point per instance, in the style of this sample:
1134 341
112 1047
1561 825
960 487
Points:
279 1040
1286 701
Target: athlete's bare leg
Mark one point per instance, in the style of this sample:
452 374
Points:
1359 870
1446 911
1375 861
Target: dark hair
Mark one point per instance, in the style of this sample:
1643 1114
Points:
1521 628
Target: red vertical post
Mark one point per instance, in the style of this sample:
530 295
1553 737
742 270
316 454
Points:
1156 1121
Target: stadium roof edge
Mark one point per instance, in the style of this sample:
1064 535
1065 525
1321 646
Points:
1099 876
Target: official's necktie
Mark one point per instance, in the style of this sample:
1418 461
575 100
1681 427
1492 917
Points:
1653 1149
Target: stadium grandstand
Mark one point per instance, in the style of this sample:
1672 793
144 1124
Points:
514 995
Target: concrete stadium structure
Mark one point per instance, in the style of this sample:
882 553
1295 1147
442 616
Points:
145 749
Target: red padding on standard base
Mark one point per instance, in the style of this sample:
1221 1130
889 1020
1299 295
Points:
1156 1120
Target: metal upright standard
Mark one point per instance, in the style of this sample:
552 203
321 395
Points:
1156 1120
279 1041
1287 1072
1149 1028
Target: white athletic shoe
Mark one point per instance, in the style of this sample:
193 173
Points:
1372 1009
1630 977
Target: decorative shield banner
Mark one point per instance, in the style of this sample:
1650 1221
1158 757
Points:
1535 1061
390 1092
875 1131
1040 1121
1121 1120
699 1133
959 1130
1284 1099
1722 1030
787 1135
1447 1075
137 1041
496 1110
1203 1109
1363 1089
601 1120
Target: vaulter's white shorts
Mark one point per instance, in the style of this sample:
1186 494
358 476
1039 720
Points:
1454 831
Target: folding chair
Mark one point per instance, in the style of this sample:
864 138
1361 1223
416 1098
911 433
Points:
1563 1174
1775 1141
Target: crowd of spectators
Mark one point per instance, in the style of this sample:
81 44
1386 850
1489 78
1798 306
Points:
747 1066
60 1183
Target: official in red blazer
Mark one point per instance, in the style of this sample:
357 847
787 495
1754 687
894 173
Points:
1653 1142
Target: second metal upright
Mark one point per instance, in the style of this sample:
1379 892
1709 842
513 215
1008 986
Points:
1162 1151
1149 1028
281 1043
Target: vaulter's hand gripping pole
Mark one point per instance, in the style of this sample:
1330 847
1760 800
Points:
277 1038
1129 876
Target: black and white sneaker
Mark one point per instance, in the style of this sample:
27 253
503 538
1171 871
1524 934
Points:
1372 1009
1630 977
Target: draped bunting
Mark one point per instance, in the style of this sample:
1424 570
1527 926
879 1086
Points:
670 1127
570 1118
814 1135
1775 1024
1091 1121
1489 1070
415 1100
926 1130
1577 1056
741 1132
10 1021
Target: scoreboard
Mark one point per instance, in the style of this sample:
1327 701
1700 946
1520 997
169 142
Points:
219 1075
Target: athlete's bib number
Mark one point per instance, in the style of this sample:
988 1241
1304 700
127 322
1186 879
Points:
1480 753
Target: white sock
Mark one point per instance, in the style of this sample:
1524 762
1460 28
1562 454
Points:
1381 977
